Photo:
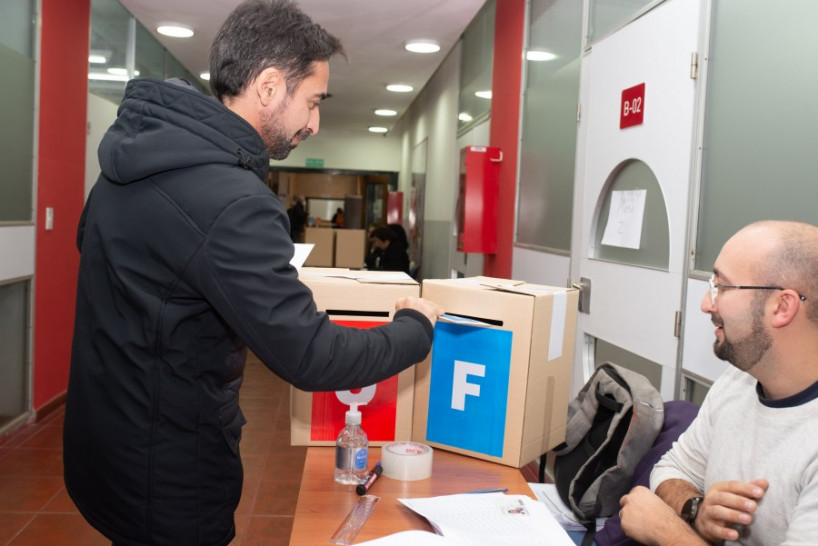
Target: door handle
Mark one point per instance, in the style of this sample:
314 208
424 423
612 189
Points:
584 287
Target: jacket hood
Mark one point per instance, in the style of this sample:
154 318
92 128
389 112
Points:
163 126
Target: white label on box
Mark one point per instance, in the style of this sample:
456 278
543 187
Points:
557 324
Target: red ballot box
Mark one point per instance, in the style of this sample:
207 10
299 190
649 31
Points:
361 299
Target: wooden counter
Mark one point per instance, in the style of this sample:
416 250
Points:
323 504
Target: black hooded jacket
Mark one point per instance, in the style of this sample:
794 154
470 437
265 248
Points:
184 263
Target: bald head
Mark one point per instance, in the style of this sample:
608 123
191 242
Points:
781 253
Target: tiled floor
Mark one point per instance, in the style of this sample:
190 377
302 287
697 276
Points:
35 510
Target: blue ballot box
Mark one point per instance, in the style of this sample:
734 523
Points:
498 381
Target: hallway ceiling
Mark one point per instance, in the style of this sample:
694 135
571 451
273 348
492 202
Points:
373 33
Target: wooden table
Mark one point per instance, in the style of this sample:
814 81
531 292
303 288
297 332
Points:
323 504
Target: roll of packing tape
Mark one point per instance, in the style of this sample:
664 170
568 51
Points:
406 461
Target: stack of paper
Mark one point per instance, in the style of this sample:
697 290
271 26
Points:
482 519
547 494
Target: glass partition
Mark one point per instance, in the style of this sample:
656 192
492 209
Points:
17 33
476 69
654 247
549 126
758 160
606 16
114 36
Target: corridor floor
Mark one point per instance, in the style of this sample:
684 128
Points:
35 509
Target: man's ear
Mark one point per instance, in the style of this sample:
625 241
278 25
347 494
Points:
268 85
785 308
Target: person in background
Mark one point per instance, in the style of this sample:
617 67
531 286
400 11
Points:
746 471
373 253
393 254
184 266
297 215
338 218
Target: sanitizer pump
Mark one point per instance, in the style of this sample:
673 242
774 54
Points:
351 450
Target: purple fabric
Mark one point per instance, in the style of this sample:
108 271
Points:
678 416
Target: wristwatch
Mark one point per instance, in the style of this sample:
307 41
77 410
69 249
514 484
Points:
691 509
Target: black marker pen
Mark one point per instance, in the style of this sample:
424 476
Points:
362 488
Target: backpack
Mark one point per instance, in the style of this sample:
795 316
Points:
612 423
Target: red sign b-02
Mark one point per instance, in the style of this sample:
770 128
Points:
632 109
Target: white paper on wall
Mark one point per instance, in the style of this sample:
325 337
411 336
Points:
624 228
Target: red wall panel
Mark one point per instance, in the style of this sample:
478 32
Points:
505 120
60 185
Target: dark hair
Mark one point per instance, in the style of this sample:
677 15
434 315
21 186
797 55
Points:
383 233
260 34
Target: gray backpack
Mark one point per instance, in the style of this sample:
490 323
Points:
612 423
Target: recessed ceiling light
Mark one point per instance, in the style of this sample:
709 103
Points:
400 88
464 116
175 31
535 55
422 46
205 76
483 94
97 59
119 71
385 112
378 129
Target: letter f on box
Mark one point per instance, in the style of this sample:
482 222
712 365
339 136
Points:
460 383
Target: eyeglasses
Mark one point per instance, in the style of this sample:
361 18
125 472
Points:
714 289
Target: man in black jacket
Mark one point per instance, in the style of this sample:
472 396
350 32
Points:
184 265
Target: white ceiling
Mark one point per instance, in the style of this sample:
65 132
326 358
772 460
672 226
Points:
373 33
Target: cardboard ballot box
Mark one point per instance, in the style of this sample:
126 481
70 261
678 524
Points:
323 252
497 389
362 299
350 248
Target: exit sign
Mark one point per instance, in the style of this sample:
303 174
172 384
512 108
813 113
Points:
315 163
632 109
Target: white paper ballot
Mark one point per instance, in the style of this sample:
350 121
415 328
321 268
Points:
302 251
624 227
491 518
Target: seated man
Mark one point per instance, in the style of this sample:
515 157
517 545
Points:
746 471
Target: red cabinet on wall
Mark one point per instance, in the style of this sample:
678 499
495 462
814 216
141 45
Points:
477 199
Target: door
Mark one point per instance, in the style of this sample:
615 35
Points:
638 95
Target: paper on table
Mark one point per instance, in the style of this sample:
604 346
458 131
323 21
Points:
302 251
407 538
491 518
547 494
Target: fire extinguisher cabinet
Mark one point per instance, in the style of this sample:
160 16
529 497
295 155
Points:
478 192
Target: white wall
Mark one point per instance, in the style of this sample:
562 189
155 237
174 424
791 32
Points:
433 117
348 149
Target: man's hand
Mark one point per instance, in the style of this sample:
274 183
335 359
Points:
648 520
726 505
428 308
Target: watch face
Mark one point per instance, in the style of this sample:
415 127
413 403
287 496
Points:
691 509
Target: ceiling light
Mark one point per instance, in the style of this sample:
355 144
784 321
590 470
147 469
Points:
422 46
107 77
483 94
118 71
205 76
97 59
175 31
378 129
399 88
465 117
385 112
534 55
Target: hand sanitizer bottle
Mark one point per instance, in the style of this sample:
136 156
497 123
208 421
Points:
351 450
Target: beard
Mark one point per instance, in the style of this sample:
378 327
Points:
275 135
744 353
